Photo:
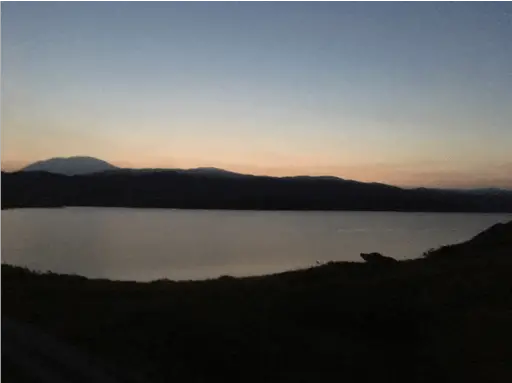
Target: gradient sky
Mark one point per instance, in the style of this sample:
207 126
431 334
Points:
412 94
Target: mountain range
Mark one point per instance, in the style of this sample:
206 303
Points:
87 181
80 165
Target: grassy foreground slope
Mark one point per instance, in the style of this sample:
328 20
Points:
446 317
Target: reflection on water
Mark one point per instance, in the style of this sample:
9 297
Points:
145 244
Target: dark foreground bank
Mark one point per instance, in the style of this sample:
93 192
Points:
446 317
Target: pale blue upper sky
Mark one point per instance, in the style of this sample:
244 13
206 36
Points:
404 93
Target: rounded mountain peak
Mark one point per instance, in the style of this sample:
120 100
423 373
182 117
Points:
71 165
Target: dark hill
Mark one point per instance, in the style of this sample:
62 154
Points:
499 234
208 190
497 237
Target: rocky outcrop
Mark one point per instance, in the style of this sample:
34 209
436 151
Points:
377 258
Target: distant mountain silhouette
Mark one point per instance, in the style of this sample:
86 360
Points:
70 166
97 183
488 191
212 172
210 188
206 171
83 165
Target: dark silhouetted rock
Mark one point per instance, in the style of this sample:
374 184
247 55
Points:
377 258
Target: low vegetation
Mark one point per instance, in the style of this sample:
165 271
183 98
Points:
444 318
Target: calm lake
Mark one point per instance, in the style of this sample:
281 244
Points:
146 244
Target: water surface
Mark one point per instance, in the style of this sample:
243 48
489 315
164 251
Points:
146 244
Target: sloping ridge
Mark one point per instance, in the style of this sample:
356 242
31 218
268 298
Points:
495 240
498 234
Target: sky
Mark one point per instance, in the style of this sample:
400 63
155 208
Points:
410 94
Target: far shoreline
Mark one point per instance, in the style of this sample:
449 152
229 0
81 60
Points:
259 210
